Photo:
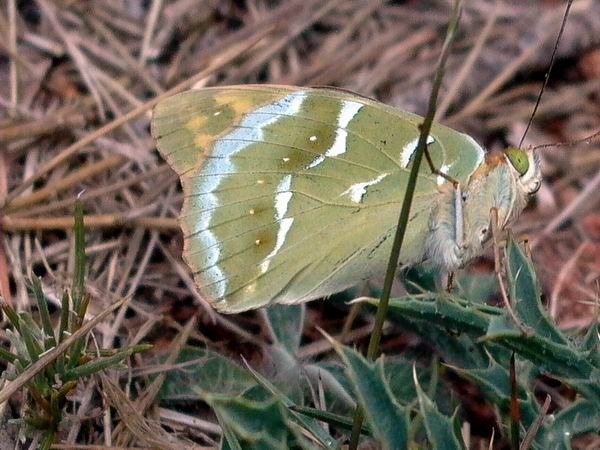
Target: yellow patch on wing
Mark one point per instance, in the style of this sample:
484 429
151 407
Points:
203 140
197 126
197 123
239 103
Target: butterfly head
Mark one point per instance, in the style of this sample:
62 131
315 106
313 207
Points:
526 164
504 182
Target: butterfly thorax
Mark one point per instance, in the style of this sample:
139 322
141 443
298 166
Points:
460 224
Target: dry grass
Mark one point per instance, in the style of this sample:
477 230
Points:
77 82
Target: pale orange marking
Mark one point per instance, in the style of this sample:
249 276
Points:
196 123
241 105
492 160
196 126
203 140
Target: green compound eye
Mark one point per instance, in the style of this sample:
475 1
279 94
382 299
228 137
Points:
519 159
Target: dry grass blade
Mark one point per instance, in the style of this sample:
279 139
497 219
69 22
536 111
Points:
469 64
535 427
137 422
14 224
71 180
78 57
216 64
147 431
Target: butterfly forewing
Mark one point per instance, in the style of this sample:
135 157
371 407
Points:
293 193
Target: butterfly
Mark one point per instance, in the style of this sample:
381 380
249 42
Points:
292 193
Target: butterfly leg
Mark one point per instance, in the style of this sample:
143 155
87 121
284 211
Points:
435 170
459 226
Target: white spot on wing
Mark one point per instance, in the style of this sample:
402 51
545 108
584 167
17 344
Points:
283 196
357 191
282 200
409 149
318 160
444 169
347 112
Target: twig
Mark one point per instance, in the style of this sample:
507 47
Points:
16 224
561 278
73 179
535 426
469 63
12 45
78 57
585 199
149 30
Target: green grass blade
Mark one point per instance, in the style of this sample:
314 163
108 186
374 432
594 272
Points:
78 289
50 338
330 418
12 315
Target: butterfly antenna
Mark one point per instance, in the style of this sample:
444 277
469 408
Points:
586 140
547 76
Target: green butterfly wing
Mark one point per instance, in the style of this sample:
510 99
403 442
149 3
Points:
292 194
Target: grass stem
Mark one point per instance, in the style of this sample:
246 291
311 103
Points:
382 308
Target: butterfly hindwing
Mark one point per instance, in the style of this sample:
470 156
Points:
293 193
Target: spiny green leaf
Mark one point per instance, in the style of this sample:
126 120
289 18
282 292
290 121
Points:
591 344
580 418
420 278
548 355
460 350
444 311
387 419
441 430
310 425
476 287
253 425
198 368
588 387
526 296
494 381
286 323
